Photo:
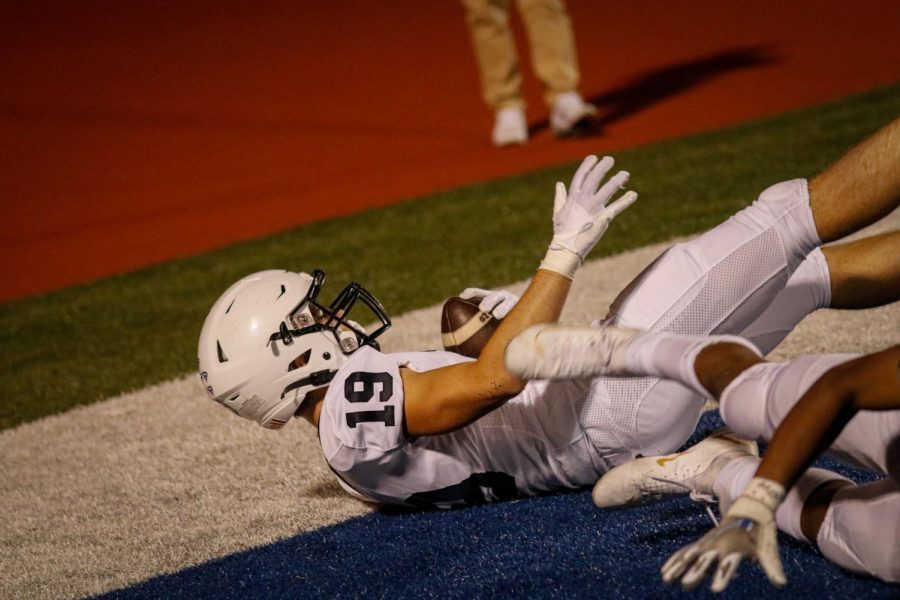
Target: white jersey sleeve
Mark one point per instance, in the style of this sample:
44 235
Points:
364 405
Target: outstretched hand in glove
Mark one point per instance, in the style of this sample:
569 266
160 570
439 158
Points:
582 214
747 531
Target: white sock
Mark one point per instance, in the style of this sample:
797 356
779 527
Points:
672 356
732 480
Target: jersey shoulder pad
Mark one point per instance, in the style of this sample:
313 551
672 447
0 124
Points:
363 407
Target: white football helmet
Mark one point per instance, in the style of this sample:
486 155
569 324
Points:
267 342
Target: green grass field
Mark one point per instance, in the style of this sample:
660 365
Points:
83 344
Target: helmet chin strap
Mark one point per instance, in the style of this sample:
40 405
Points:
309 401
316 379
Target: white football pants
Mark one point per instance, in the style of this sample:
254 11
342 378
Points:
757 274
861 530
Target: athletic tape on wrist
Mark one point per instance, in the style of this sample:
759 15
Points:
565 262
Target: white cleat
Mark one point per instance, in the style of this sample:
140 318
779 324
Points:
510 127
558 352
654 478
571 116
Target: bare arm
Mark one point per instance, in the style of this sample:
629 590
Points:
446 399
870 382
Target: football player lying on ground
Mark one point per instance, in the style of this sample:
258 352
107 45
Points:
438 429
847 405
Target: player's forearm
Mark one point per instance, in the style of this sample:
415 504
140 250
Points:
870 382
542 302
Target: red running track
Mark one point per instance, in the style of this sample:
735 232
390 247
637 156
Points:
137 132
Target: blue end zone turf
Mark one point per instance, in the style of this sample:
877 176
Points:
556 546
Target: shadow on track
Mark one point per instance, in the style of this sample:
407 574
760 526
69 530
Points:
664 82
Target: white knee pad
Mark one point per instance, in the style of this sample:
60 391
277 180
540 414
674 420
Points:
787 203
862 528
807 290
743 403
788 514
757 400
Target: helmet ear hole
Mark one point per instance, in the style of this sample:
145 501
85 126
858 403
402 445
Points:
301 361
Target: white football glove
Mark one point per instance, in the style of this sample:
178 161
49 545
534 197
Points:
747 531
581 215
497 303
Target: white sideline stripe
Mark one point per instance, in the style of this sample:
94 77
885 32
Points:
157 480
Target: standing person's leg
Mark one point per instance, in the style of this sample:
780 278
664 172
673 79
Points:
552 46
555 63
498 64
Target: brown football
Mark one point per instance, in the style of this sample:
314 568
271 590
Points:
465 329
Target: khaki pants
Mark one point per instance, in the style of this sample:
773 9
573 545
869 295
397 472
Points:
551 42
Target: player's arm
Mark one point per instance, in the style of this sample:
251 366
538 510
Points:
451 397
871 382
446 399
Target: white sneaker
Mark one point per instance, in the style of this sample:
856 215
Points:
558 352
509 127
571 116
659 477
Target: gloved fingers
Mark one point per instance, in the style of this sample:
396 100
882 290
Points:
599 198
697 571
770 560
678 563
491 302
498 303
594 177
559 198
578 179
505 306
616 208
472 292
724 574
495 302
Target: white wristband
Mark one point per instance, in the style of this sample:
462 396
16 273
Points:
766 491
562 261
759 500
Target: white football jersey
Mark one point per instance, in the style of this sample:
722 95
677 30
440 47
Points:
531 444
